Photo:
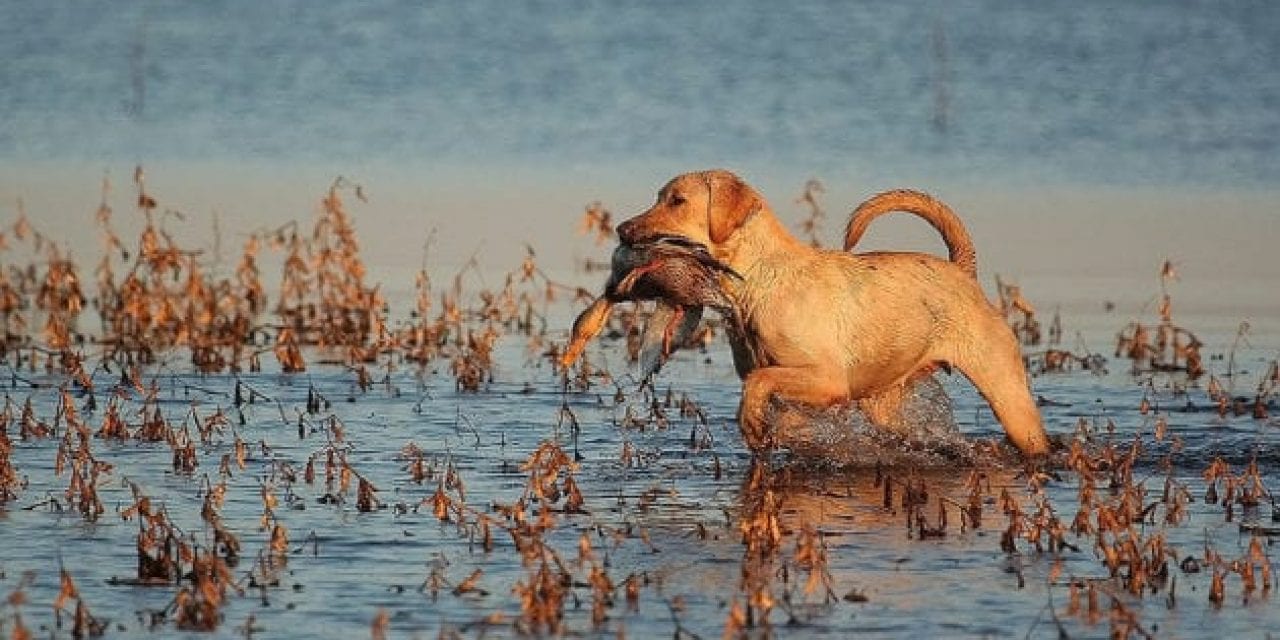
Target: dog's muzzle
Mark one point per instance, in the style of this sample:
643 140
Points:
627 232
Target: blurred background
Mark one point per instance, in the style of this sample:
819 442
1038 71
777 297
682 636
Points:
1083 142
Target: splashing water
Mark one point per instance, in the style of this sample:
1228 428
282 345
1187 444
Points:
842 436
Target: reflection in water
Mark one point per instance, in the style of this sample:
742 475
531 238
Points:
787 512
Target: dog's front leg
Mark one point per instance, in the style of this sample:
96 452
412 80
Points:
813 386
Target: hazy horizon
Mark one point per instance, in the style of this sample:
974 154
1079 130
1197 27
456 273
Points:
1086 243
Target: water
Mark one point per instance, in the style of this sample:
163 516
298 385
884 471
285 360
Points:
1083 93
663 501
496 122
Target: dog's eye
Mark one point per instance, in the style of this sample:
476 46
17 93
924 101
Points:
676 200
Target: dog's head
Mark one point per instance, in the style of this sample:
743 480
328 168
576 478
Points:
706 207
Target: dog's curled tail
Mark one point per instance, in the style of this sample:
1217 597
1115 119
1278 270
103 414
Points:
937 214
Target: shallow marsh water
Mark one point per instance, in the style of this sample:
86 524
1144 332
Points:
491 121
661 503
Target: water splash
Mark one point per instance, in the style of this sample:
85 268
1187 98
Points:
842 436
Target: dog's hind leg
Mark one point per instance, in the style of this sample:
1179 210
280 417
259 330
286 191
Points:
993 363
812 386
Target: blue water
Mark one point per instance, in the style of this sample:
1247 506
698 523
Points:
1081 92
982 94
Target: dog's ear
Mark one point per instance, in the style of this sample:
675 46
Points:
730 203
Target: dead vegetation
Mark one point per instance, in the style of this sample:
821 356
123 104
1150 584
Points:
96 364
816 214
1021 315
1166 346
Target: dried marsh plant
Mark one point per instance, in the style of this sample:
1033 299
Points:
547 557
1166 346
1021 315
816 214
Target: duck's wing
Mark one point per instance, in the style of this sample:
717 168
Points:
685 329
669 328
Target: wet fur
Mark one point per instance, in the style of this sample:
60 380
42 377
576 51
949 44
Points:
823 327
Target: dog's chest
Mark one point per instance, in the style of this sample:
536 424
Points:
764 330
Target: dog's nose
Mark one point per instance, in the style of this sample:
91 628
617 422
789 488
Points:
627 231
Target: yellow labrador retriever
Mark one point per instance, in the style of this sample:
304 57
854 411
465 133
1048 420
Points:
822 327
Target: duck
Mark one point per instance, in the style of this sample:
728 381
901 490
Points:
676 270
680 276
